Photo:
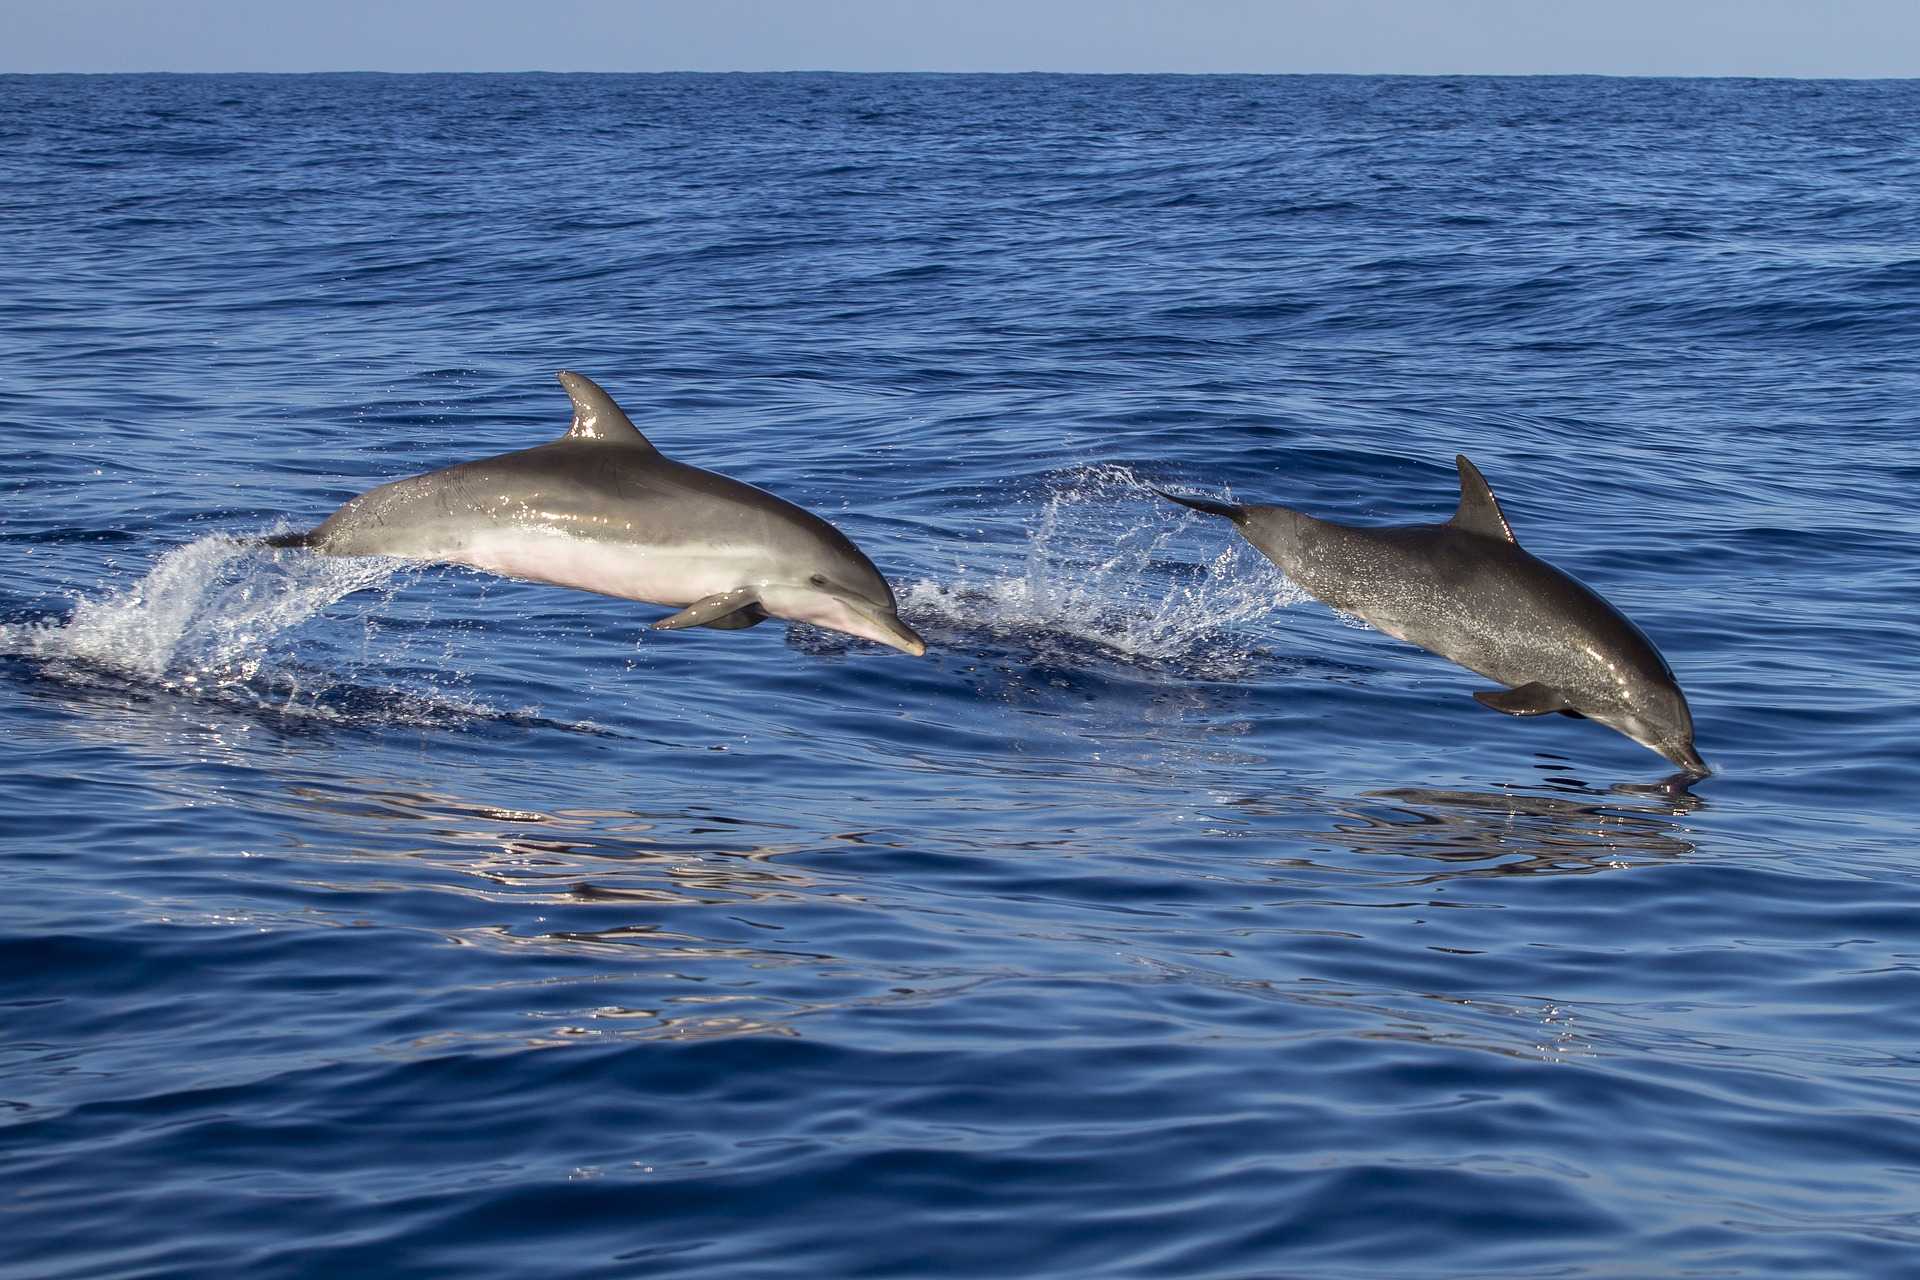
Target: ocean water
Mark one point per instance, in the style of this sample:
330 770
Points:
369 920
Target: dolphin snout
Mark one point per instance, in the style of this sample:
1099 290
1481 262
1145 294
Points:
889 630
1687 758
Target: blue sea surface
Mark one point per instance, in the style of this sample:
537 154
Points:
374 920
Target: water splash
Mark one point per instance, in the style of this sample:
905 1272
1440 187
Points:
1108 566
205 616
213 620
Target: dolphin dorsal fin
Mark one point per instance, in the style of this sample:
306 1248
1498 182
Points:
1479 510
597 417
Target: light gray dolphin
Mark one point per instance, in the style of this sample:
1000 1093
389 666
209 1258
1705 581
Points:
600 509
1466 591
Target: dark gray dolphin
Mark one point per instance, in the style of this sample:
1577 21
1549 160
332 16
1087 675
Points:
600 509
1466 591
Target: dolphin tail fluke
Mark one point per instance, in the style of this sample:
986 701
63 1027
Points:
1227 509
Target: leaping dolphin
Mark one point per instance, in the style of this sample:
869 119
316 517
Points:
600 509
1468 592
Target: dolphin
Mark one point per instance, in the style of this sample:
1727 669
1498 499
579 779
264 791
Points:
600 509
1468 592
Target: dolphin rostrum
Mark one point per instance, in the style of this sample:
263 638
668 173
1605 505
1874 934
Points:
1468 592
600 509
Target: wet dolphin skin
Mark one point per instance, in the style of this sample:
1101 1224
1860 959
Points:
1468 592
602 510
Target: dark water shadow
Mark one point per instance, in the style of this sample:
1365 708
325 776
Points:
1495 833
695 857
629 922
298 700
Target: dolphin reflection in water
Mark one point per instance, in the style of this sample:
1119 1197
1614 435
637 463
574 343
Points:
600 509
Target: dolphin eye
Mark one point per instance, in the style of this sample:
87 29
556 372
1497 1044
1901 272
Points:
818 580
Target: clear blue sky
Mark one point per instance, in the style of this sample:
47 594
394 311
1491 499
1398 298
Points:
1613 37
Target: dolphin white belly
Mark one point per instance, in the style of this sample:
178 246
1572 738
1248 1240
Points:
675 577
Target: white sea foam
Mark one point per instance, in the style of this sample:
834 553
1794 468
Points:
220 619
1109 565
205 614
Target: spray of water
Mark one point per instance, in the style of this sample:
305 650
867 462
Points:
204 616
1109 574
1111 567
215 619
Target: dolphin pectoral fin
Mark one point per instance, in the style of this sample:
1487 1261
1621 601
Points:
1534 699
715 611
739 620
